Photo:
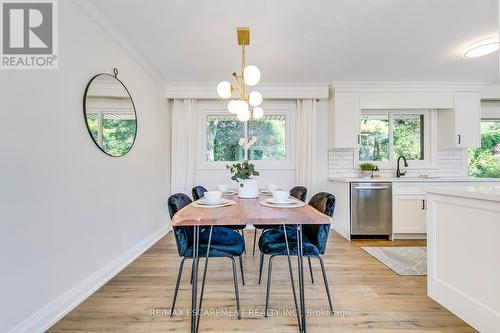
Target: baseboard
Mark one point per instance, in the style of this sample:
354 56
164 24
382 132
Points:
50 314
475 313
409 236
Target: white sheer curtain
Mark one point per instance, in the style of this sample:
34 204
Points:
305 142
184 143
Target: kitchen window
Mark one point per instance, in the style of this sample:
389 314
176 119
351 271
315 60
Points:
485 161
387 135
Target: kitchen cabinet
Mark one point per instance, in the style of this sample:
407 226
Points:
460 127
409 214
344 121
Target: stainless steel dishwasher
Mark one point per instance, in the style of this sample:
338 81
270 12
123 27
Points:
371 209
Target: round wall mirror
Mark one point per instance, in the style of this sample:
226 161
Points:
110 114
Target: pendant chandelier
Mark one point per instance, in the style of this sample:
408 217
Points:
250 76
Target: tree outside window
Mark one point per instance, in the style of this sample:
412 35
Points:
223 134
385 136
485 161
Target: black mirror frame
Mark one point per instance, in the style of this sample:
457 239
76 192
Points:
115 75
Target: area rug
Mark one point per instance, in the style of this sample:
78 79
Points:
402 260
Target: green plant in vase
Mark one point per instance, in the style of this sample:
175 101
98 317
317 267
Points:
242 173
367 168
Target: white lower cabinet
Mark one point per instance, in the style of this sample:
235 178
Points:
409 214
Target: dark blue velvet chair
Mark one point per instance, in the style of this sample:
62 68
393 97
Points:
298 192
315 237
225 243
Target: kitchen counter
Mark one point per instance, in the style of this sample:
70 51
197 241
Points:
414 179
482 192
409 200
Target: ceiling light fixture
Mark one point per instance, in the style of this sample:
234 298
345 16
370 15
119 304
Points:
250 76
481 48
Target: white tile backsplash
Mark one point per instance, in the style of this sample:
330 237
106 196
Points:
450 163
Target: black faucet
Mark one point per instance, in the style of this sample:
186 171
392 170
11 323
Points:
400 173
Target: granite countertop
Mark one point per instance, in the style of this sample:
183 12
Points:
405 179
482 192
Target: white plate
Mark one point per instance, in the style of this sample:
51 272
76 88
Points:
205 202
231 192
296 204
288 202
267 192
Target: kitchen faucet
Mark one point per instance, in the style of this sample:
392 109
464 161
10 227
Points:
400 173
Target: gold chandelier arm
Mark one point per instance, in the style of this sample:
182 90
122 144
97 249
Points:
243 69
237 83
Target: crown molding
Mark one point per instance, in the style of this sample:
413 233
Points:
268 90
103 19
375 86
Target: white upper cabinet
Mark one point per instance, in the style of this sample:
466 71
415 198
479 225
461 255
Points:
460 127
344 120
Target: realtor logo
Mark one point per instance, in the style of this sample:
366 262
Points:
29 34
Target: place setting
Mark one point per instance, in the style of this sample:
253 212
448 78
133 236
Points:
225 190
269 189
213 199
282 199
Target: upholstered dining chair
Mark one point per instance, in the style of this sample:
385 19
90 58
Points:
298 192
315 238
224 243
198 193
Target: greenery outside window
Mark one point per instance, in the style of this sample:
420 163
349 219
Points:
387 135
114 131
226 137
485 161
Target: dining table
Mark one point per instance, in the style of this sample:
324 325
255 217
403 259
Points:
248 211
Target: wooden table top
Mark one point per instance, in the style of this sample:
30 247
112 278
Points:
247 211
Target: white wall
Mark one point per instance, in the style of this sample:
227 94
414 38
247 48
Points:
67 209
285 178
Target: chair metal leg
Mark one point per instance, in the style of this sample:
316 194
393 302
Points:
241 269
269 271
254 240
236 291
261 263
179 274
310 269
325 278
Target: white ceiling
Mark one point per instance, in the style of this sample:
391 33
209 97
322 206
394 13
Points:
311 41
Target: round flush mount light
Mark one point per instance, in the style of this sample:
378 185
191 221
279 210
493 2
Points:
481 48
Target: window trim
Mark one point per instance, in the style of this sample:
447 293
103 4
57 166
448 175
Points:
270 107
430 140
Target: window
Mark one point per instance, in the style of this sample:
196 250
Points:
270 132
225 137
113 131
387 135
485 161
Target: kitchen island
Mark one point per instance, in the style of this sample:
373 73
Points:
463 240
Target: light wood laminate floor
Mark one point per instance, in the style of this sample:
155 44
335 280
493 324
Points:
367 296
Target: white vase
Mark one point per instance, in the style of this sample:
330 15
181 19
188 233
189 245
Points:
366 174
248 188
